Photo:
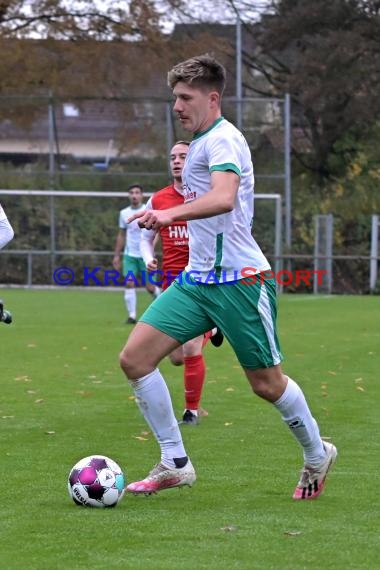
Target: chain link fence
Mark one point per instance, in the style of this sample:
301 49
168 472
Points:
103 146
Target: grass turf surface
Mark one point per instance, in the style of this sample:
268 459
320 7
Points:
64 397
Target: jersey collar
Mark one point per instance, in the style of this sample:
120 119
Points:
201 133
178 191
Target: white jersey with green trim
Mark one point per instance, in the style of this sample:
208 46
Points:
221 247
133 230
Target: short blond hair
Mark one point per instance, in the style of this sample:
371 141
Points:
203 71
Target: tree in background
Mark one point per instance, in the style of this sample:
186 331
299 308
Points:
56 45
326 54
80 50
88 19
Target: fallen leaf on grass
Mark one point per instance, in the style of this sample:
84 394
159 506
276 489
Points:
31 345
292 532
360 388
229 528
49 432
230 389
357 380
228 424
39 401
140 438
331 372
6 417
132 398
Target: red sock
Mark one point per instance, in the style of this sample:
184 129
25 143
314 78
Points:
194 377
206 337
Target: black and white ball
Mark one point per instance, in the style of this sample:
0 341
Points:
96 481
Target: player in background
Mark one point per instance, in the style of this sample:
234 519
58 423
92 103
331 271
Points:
6 230
128 240
175 256
6 235
218 204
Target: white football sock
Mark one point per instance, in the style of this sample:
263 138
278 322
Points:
153 399
156 292
295 412
130 302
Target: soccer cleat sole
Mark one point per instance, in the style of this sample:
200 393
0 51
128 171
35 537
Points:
150 493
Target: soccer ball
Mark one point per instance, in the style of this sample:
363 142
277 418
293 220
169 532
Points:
96 481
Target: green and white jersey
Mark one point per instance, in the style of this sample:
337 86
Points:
133 230
221 245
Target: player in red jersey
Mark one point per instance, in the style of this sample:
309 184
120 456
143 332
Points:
175 255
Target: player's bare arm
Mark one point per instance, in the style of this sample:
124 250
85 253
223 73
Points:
119 247
147 246
219 200
153 264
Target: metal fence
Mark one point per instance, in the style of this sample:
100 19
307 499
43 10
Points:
103 146
93 269
116 140
56 232
78 229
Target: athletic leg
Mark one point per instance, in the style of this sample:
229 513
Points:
153 338
194 377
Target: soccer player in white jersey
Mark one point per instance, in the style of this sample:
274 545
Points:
218 184
6 230
6 235
128 239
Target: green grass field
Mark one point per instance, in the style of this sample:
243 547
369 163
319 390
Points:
63 397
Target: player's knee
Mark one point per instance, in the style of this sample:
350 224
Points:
268 383
176 359
176 356
193 347
129 363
